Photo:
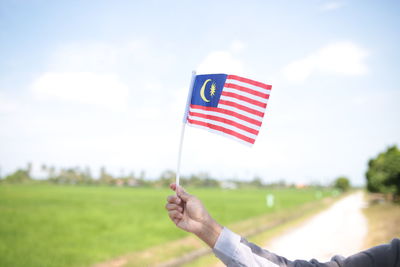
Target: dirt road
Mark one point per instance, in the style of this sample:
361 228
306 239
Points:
339 230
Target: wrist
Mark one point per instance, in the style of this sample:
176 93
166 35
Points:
209 232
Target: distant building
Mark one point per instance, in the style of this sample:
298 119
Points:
119 182
228 185
300 185
132 182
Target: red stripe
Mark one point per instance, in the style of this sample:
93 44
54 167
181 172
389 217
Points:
241 107
246 99
245 80
228 112
223 120
247 90
224 130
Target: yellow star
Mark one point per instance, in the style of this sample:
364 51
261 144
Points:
213 88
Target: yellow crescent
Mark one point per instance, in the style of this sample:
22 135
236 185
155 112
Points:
202 90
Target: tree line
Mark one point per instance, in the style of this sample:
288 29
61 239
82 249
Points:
382 176
83 176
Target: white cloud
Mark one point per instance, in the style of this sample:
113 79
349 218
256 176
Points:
7 105
83 57
332 5
220 62
139 49
104 90
223 61
344 58
81 71
237 46
98 56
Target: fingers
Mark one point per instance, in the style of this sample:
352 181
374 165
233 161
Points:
175 203
171 207
174 200
182 194
175 216
172 186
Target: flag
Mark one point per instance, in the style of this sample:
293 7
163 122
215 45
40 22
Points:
229 105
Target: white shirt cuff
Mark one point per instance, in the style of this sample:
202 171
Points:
226 245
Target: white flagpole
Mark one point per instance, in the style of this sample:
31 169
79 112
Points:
179 155
183 127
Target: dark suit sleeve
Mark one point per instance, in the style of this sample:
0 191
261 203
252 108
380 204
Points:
383 255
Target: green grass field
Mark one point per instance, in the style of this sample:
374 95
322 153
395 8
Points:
45 225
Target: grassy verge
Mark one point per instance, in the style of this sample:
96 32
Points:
383 222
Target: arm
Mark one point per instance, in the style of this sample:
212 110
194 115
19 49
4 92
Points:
189 214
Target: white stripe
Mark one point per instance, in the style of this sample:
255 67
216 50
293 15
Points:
226 116
248 95
243 103
221 133
241 112
248 85
224 125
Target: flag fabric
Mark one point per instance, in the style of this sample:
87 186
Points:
229 105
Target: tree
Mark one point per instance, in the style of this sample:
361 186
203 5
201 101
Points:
105 178
256 182
342 183
166 178
29 167
383 174
19 176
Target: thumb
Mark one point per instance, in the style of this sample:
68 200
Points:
182 194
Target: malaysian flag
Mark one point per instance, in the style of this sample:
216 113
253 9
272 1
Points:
229 105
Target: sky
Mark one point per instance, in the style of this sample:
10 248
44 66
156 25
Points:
104 83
